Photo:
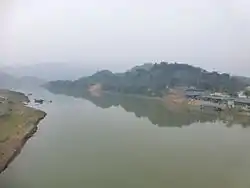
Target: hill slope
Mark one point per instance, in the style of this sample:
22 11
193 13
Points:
154 81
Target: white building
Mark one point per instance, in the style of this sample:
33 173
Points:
217 94
242 95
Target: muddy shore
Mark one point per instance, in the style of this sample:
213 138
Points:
16 127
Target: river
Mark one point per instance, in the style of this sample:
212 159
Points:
127 142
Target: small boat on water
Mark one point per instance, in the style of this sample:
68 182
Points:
39 101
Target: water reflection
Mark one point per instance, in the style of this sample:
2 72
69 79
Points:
157 112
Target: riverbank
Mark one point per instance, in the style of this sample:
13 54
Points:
16 126
176 101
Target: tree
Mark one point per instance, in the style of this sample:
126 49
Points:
247 93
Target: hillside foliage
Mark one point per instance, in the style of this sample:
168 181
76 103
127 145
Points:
156 80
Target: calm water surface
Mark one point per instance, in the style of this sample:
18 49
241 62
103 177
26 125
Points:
126 142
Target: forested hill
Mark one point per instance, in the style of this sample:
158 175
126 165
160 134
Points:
155 80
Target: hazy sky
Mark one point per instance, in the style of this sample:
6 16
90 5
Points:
213 34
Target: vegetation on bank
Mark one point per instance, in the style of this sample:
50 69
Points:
155 79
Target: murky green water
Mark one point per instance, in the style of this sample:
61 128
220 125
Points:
115 141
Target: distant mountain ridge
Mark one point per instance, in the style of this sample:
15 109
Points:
155 80
145 66
50 71
8 81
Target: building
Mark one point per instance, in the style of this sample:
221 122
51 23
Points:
222 95
242 95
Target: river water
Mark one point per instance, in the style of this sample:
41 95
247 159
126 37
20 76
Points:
127 142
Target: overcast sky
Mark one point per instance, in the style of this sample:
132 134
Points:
213 34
